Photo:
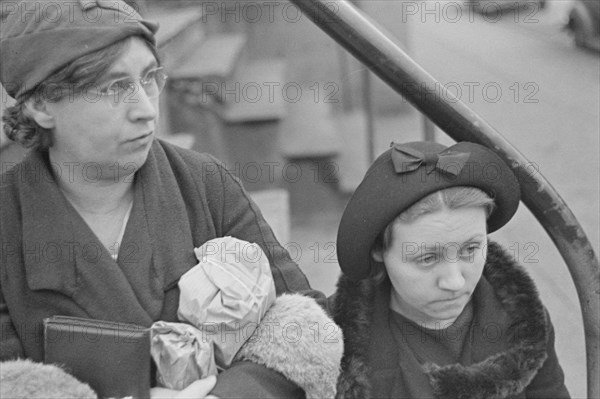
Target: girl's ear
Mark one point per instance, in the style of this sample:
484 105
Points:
38 110
377 255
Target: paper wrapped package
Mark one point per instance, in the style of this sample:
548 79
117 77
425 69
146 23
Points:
227 294
181 353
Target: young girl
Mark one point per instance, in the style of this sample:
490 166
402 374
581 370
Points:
429 307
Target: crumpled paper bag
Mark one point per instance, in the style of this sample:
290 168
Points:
181 353
227 294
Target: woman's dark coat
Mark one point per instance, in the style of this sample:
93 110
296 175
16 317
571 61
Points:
51 263
511 343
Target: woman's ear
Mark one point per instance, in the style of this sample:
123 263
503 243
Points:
38 110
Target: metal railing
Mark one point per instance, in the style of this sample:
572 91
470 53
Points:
363 39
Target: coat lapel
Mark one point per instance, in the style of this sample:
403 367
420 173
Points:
166 218
62 254
50 242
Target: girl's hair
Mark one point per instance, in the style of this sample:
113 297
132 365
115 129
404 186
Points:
450 198
19 126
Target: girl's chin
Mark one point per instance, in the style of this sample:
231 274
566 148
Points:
444 319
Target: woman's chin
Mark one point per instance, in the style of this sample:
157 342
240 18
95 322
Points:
133 160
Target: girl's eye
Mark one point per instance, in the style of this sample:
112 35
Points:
428 260
470 250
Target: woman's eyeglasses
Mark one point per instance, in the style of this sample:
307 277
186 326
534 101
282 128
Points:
125 90
114 92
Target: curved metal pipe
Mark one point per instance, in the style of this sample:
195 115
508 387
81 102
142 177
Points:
361 37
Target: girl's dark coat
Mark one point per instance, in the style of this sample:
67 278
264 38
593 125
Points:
517 361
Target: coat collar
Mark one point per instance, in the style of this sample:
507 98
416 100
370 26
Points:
358 311
62 254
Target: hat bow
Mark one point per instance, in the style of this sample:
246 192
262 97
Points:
407 159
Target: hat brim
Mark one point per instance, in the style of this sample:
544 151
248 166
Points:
384 194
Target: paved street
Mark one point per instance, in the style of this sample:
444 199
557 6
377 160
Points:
524 76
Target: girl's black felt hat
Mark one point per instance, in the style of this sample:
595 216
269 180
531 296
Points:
403 175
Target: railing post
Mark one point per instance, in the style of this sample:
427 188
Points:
363 39
428 129
369 114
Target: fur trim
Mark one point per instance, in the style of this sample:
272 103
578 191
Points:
499 376
24 379
353 315
299 340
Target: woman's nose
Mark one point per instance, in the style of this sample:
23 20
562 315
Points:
451 278
143 107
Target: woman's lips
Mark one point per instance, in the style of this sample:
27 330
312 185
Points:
139 138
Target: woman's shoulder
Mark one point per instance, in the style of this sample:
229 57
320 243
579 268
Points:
11 173
199 166
190 157
15 176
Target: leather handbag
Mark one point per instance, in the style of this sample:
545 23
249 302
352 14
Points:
113 358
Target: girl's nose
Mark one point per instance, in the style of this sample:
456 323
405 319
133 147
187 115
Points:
451 278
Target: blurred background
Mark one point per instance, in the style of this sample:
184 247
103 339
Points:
298 119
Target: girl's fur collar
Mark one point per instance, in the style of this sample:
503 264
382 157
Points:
499 376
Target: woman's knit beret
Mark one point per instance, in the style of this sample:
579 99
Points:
39 37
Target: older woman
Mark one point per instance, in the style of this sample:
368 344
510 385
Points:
100 219
430 308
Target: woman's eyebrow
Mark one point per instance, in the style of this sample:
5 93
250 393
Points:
152 65
122 74
114 75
